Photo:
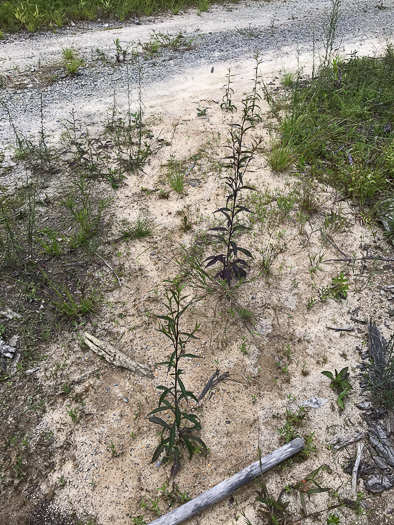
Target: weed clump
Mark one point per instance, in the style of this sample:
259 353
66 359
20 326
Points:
139 230
339 125
280 157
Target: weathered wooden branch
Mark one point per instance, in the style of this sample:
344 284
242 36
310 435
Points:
343 442
114 356
360 447
230 485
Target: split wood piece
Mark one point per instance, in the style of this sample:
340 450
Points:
357 320
114 356
230 485
343 442
360 447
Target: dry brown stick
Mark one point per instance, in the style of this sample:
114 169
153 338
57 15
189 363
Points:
230 485
110 267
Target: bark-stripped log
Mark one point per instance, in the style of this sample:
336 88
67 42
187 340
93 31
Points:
230 485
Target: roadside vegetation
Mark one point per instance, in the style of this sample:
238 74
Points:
337 128
16 15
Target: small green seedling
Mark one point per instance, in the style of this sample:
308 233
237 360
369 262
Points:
340 384
113 450
340 286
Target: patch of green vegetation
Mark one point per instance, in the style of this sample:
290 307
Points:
339 125
141 228
31 15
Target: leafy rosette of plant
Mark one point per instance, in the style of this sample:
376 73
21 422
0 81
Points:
340 384
181 431
238 163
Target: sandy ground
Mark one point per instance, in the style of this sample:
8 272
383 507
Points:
245 412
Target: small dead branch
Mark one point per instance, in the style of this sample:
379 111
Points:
339 329
114 356
343 442
314 514
366 258
327 238
110 267
213 381
357 320
355 469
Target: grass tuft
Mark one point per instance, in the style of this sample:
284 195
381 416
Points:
280 158
139 230
16 15
339 123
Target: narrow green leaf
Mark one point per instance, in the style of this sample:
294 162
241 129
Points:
178 416
188 445
171 441
159 450
158 421
246 252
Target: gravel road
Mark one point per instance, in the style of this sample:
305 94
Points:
282 31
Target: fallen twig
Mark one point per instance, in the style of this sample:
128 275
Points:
366 258
317 513
356 320
355 468
335 246
338 329
110 267
213 381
